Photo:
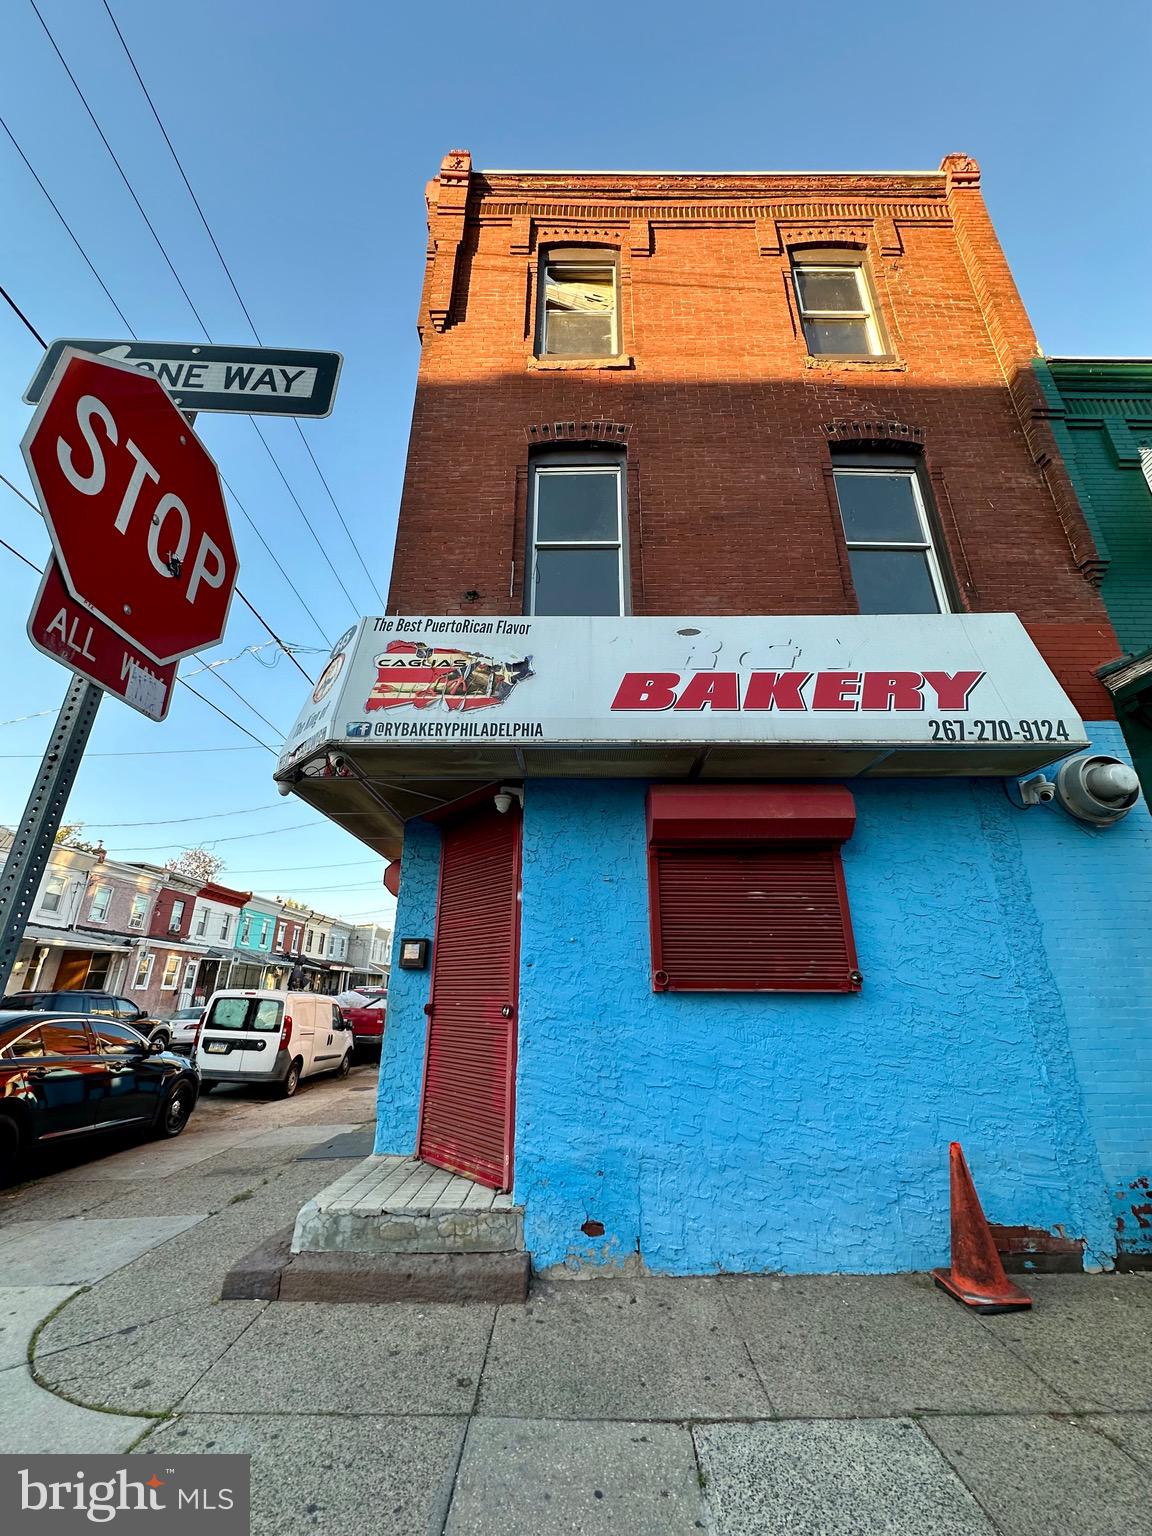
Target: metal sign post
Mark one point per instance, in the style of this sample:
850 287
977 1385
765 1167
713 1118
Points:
35 836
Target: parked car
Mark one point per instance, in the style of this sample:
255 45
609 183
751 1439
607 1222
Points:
101 1005
262 1036
183 1024
367 1022
64 1075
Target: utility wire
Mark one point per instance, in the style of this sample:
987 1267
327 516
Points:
29 563
188 297
232 282
116 163
175 821
275 728
211 842
11 757
71 236
12 304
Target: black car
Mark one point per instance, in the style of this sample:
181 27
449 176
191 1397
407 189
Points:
63 1076
101 1005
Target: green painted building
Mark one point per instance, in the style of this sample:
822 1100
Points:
1101 414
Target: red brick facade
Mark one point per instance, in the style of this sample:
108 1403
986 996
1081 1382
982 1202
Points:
727 423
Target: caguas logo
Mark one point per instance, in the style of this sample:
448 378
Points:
410 672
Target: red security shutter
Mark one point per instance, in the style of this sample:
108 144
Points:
466 1115
765 913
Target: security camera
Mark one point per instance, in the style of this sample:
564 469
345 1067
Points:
339 762
284 787
1034 790
1096 788
504 797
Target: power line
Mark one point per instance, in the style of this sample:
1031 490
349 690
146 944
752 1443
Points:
188 297
71 236
12 304
232 282
176 821
119 167
212 841
31 564
244 701
10 757
228 717
272 556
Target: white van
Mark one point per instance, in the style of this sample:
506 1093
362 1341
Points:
262 1036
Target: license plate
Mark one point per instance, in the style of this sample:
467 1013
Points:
217 1046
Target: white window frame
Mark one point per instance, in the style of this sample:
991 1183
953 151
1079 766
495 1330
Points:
592 262
225 924
604 468
143 964
102 915
244 932
175 918
170 974
927 546
58 894
137 913
866 312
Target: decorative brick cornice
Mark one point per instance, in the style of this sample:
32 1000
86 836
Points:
961 171
578 432
872 431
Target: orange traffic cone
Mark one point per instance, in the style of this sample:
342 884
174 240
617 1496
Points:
977 1276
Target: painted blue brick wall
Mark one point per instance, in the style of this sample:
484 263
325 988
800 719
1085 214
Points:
810 1133
402 1052
1097 930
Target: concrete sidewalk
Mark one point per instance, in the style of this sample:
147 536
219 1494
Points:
737 1405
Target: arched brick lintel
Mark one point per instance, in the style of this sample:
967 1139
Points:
578 432
873 431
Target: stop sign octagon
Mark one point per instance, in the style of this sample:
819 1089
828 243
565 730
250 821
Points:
133 502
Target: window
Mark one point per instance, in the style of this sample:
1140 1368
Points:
836 310
308 941
24 1046
244 1013
189 976
278 943
118 1040
101 896
202 923
577 558
224 923
171 970
67 1038
143 972
895 568
139 907
245 929
122 1008
98 968
176 917
746 889
265 925
53 893
578 308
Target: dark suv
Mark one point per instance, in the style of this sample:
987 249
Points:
63 1076
100 1005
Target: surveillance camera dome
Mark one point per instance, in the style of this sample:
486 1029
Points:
1096 788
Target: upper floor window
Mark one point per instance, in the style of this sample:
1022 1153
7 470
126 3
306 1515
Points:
577 554
836 309
225 920
53 893
895 566
245 929
176 917
98 911
202 923
139 908
578 311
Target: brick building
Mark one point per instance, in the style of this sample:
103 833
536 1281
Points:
739 586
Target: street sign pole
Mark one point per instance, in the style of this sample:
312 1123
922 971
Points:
35 836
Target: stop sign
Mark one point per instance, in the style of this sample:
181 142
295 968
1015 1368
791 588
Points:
132 499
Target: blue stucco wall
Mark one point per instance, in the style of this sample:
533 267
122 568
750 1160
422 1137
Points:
800 1133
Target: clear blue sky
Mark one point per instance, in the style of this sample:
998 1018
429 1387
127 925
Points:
308 132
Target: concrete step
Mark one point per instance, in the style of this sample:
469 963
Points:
392 1205
272 1272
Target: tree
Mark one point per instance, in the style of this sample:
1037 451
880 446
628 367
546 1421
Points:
69 837
196 864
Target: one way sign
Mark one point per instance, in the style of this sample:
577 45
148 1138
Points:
257 381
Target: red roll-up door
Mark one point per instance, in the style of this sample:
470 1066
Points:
467 1110
772 918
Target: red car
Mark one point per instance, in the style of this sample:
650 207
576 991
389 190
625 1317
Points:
367 1021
